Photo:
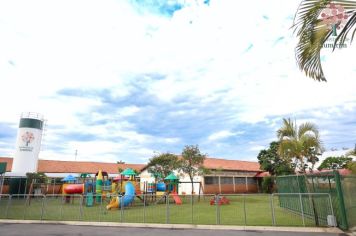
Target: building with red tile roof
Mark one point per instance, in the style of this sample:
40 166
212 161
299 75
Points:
225 176
53 167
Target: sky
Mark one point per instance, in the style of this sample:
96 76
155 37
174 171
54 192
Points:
125 80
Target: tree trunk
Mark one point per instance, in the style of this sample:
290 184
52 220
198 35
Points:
191 180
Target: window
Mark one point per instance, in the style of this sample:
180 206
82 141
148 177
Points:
211 180
251 181
226 180
240 180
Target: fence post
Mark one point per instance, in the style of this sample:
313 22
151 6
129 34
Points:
272 210
217 197
302 208
42 206
331 206
340 196
61 209
101 206
245 210
7 206
192 206
25 208
121 209
81 207
167 209
144 208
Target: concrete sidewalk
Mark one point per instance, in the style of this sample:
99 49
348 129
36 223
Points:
333 230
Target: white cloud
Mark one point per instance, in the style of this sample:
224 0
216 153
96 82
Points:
223 134
47 46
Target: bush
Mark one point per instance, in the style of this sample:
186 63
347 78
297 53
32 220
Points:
267 184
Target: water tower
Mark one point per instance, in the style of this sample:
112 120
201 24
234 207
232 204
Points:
28 143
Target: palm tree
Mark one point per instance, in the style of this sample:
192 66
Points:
299 143
351 152
314 22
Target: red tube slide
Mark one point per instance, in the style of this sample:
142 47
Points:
73 188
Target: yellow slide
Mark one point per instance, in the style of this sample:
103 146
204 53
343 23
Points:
114 203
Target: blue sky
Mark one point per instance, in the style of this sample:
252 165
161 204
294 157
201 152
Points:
122 80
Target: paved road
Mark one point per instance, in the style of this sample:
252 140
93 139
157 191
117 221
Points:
70 230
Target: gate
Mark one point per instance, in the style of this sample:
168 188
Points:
324 182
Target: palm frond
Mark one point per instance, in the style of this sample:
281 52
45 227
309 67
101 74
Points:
288 130
307 128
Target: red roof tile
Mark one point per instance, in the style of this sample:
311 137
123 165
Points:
51 166
8 160
263 174
341 171
215 163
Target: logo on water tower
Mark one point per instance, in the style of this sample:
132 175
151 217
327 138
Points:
27 138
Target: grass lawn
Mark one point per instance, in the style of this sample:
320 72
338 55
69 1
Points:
255 211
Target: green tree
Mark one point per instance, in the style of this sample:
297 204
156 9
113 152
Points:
192 162
299 143
162 165
270 161
315 22
267 184
333 163
352 166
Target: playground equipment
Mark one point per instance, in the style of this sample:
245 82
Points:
129 193
172 182
220 200
160 192
98 186
73 188
125 200
70 187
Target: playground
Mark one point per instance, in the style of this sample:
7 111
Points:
124 199
241 210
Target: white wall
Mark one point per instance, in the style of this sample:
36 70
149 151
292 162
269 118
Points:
145 176
183 187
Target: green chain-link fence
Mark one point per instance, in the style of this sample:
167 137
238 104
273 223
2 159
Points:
342 190
349 190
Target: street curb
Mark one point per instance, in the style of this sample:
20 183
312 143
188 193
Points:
180 226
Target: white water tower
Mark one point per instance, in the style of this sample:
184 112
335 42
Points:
28 143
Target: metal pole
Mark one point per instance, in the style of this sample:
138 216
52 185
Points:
233 180
301 207
167 209
25 208
26 186
8 205
101 207
217 197
191 201
42 206
121 209
144 208
81 207
54 185
2 179
245 209
272 210
61 209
